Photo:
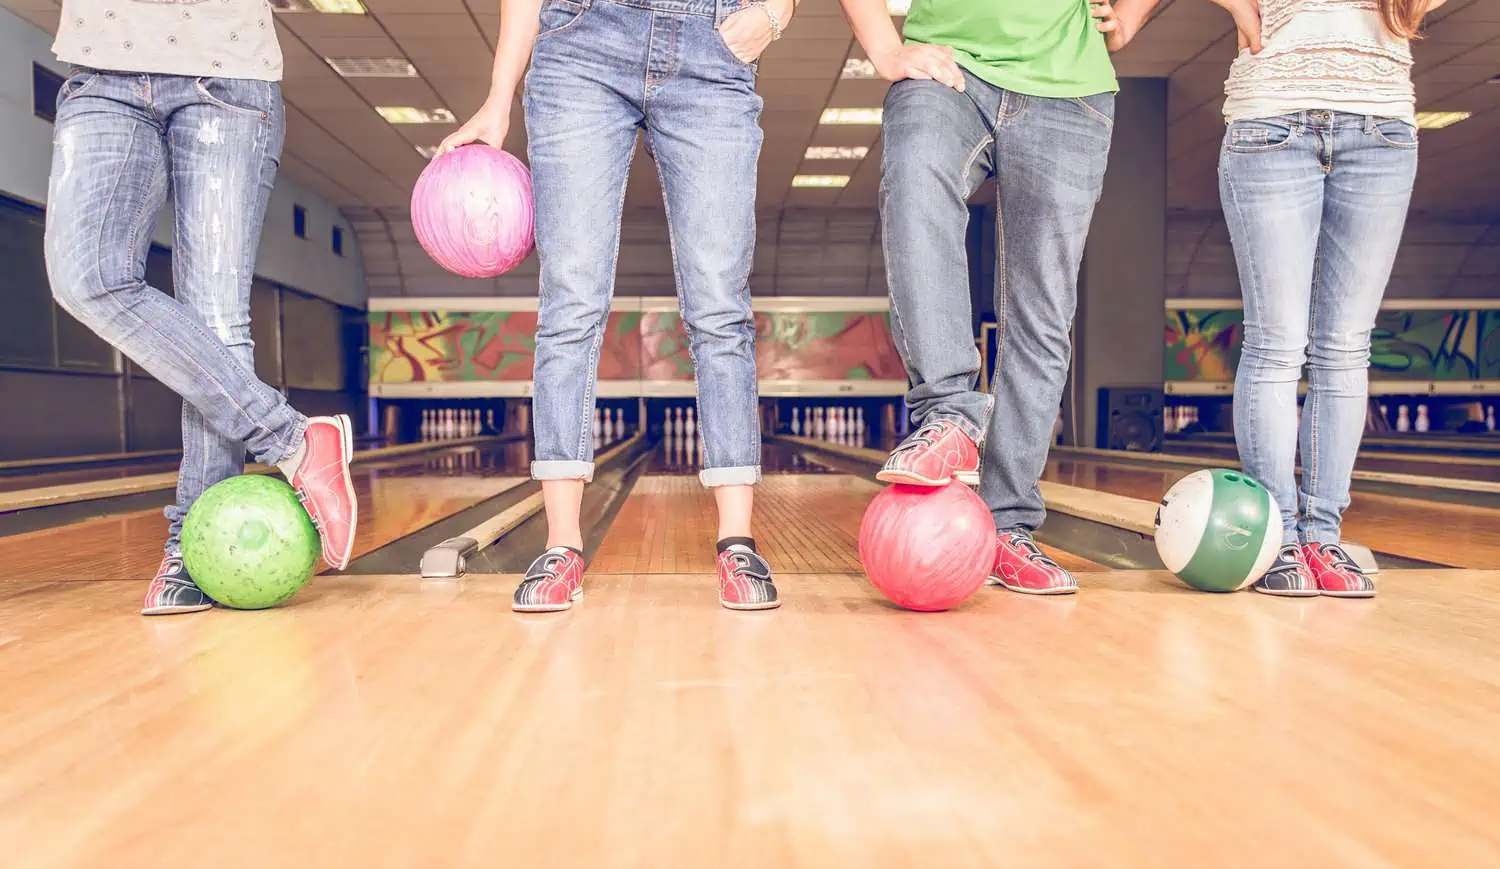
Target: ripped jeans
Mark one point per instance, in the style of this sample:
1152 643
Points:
122 143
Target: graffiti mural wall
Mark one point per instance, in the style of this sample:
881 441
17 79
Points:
1426 345
642 350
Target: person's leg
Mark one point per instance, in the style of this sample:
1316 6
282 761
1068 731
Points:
222 164
936 153
582 113
703 129
1271 186
1050 156
1374 164
109 178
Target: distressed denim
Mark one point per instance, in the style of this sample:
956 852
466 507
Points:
1046 157
122 144
1315 204
601 71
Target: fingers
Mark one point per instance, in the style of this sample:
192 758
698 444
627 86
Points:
936 63
463 137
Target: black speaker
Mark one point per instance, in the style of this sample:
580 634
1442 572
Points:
1130 418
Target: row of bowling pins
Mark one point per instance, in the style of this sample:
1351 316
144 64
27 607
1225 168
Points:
1404 421
840 424
448 422
679 422
462 459
608 424
1175 419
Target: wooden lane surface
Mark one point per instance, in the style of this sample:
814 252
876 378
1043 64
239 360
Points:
383 723
91 490
1436 532
89 474
395 499
804 523
1439 465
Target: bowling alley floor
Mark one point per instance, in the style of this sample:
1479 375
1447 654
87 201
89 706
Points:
378 721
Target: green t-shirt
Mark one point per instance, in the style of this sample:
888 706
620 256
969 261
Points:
1044 48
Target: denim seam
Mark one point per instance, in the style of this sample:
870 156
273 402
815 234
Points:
592 378
687 328
569 26
1310 461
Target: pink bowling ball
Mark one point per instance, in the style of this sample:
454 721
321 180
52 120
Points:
472 211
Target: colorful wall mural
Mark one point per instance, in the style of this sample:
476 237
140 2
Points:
429 347
1423 345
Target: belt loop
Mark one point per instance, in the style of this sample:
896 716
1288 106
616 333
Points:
1369 124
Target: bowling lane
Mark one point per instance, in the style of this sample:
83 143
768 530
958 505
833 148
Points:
396 496
1441 533
807 519
1431 464
34 479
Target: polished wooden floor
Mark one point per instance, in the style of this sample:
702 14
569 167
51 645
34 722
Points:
381 722
1456 535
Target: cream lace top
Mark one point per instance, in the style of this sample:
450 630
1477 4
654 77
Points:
1322 54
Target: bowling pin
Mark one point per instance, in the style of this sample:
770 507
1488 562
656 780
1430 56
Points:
1422 422
859 422
598 423
619 422
1403 419
689 427
796 423
450 423
1489 418
426 426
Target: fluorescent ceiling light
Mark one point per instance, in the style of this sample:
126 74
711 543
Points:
327 7
819 180
818 152
867 117
372 67
856 67
1439 120
427 151
413 115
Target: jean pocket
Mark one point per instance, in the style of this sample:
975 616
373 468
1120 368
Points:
245 96
78 81
557 16
1100 107
752 65
1396 134
1257 137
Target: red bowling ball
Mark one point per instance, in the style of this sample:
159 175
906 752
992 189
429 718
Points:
927 549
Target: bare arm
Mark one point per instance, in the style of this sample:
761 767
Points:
893 59
518 29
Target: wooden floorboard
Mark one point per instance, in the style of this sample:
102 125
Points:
382 722
804 523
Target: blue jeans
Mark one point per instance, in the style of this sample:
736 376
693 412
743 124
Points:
1047 157
1315 204
123 142
600 71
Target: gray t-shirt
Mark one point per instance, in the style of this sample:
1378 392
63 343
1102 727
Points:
217 38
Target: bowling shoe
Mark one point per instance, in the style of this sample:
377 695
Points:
552 582
1020 565
745 580
933 455
172 591
1336 573
1288 576
319 471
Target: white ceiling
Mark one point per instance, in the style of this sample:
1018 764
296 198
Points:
339 146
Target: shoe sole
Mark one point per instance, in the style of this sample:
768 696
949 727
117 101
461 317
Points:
968 478
1347 594
1276 593
749 607
1040 592
176 610
548 607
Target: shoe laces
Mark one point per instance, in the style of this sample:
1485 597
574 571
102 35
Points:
1021 540
923 437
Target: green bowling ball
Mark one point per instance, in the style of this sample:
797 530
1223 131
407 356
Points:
248 542
1218 530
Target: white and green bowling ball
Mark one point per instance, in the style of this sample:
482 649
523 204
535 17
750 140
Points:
1218 530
